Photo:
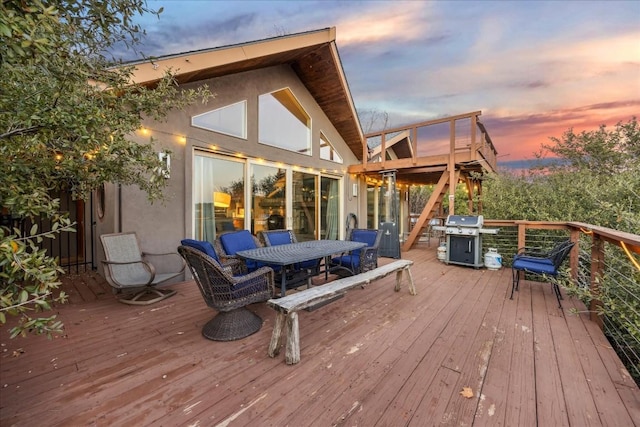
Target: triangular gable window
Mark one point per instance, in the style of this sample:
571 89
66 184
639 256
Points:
230 120
327 152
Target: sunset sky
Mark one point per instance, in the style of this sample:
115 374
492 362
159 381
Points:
534 68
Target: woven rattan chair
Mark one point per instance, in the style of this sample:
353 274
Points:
360 260
227 244
130 271
229 295
235 266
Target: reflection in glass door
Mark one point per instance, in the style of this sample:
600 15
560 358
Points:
329 208
304 205
218 196
268 198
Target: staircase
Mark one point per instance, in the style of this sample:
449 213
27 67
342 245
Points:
430 209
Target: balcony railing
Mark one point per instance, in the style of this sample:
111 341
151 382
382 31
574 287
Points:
603 271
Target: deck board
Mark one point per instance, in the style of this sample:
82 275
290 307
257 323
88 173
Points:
374 357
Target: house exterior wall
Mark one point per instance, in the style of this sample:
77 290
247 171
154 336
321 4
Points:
160 226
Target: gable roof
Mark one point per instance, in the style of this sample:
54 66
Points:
312 55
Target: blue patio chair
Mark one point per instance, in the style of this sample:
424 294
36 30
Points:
283 237
229 295
228 244
541 263
364 259
235 266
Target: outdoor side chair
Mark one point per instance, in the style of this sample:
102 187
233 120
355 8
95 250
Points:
129 270
360 260
228 244
283 237
541 263
229 294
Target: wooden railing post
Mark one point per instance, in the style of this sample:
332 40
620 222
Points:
597 267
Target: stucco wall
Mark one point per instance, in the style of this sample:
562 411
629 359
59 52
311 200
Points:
161 225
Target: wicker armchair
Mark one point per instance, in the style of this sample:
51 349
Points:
228 244
130 271
234 266
229 295
360 260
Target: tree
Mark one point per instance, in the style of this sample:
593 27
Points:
65 116
593 178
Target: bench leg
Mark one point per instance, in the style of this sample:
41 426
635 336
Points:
292 355
412 287
276 336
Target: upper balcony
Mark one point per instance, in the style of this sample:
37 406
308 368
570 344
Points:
421 152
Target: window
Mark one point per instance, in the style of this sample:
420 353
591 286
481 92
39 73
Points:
327 152
230 120
283 123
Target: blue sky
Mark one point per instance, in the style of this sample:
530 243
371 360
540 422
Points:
534 68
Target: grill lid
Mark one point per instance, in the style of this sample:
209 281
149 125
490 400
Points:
471 221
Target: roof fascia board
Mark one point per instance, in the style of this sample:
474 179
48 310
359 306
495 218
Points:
154 69
345 88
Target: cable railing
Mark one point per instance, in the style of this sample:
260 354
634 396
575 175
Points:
603 271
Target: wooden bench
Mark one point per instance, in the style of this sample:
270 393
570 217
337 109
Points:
288 306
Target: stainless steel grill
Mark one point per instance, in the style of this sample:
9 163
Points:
464 239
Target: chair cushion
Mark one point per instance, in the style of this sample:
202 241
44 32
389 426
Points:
202 246
534 266
528 258
237 241
347 260
364 236
279 238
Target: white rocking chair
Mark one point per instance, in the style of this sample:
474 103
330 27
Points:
128 271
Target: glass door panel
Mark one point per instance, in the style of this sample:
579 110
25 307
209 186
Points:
304 205
329 208
268 198
218 196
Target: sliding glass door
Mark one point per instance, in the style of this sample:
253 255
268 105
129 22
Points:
268 198
278 197
218 196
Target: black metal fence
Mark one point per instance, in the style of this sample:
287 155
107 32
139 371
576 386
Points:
74 250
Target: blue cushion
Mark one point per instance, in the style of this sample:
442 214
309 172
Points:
202 246
279 238
364 236
534 266
533 259
347 260
237 241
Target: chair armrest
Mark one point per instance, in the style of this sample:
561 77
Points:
147 266
262 271
183 263
532 251
234 266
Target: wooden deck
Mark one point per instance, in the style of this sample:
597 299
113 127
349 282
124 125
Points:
374 357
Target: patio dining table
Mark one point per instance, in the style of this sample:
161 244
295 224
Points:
293 253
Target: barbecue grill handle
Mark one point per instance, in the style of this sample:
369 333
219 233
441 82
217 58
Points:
469 246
